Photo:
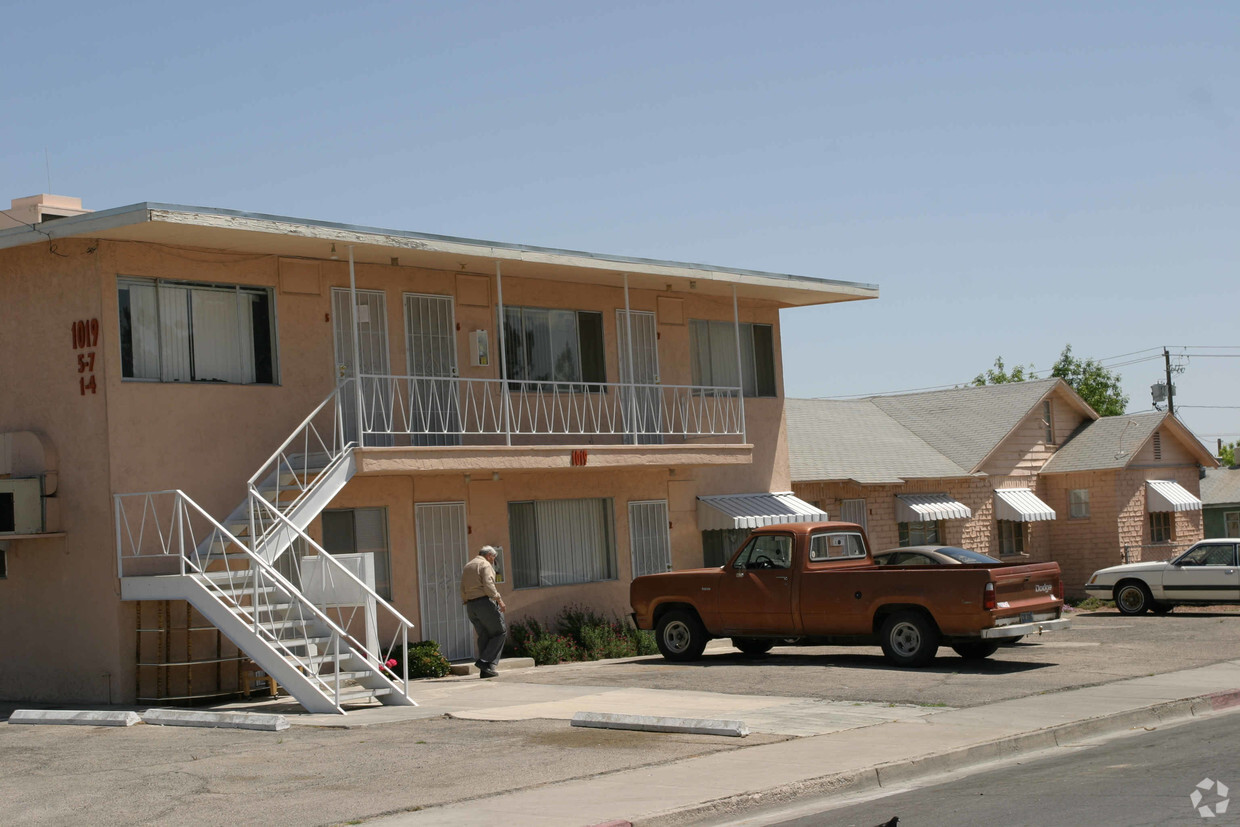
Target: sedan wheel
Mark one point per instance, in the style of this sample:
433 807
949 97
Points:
1132 598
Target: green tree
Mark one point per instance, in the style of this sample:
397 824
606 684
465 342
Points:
1096 385
998 375
1227 454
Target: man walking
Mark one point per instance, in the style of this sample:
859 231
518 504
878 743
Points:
485 609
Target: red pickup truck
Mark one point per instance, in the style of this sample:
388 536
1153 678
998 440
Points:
817 583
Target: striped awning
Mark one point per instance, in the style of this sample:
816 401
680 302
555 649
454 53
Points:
921 508
1168 495
731 511
1021 505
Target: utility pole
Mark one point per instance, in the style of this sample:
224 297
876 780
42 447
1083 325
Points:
1170 390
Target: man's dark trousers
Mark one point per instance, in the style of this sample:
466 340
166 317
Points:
489 624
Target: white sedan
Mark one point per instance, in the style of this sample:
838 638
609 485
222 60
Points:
1205 574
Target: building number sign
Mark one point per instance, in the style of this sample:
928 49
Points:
86 338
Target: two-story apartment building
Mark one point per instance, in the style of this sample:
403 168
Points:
303 429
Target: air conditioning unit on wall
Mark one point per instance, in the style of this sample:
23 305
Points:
21 506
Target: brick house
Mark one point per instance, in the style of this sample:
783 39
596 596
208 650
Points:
1220 502
1019 471
309 485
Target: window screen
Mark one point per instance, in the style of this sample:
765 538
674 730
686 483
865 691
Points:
558 542
712 346
554 345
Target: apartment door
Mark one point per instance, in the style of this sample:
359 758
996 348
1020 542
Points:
642 405
649 537
430 395
443 552
372 344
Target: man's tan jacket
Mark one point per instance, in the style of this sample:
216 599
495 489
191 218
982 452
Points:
478 580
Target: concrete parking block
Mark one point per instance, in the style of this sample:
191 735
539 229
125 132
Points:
650 723
75 717
216 720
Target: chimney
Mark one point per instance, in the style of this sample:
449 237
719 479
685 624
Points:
34 209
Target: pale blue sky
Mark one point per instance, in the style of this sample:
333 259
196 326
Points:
1013 177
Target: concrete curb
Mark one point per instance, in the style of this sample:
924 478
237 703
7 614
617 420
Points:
652 723
75 717
216 720
884 775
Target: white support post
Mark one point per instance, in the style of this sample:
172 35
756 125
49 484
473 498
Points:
740 365
357 349
180 513
503 355
628 336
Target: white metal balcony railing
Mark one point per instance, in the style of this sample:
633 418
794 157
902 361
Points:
415 406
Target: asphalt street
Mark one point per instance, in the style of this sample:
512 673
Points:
1101 647
1140 780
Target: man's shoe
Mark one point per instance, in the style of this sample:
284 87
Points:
489 673
478 664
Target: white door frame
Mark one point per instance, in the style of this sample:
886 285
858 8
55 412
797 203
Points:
665 535
445 392
644 398
439 576
343 352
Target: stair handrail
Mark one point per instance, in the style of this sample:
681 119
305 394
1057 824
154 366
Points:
405 624
345 444
374 663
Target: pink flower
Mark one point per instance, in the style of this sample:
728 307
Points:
391 663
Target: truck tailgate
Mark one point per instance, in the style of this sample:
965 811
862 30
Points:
1032 589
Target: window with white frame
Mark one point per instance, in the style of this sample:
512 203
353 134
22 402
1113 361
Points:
919 534
712 354
558 542
853 511
1048 422
1011 537
358 530
185 332
1162 527
1231 523
1078 503
543 345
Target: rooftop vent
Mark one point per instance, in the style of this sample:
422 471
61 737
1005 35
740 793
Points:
34 209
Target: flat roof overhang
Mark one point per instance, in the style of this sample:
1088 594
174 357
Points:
256 233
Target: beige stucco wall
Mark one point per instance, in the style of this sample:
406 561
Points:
62 595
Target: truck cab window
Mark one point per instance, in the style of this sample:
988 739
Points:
766 551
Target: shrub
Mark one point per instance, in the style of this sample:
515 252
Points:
579 634
425 660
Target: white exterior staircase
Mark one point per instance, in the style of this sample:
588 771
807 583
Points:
250 575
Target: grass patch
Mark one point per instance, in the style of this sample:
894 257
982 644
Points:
1091 604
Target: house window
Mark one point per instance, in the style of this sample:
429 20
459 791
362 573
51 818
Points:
1048 421
1161 527
1078 503
554 345
718 545
558 542
1231 523
1011 537
919 534
181 332
355 530
853 511
712 353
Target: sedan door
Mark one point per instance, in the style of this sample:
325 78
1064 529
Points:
1206 573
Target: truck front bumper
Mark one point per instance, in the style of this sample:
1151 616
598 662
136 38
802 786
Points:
1037 627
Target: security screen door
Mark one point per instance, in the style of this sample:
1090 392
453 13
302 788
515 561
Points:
643 406
443 552
430 344
372 347
649 537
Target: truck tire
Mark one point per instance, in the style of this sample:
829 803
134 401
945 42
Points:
909 639
976 649
1132 597
754 647
680 636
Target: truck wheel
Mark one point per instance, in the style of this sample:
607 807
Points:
1132 597
753 646
976 649
909 639
680 636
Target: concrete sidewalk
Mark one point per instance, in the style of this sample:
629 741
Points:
867 754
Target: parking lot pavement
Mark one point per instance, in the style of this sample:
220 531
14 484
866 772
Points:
1100 647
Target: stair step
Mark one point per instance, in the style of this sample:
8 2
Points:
367 695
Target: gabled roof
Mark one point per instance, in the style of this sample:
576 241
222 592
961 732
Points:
854 440
1113 441
1221 486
